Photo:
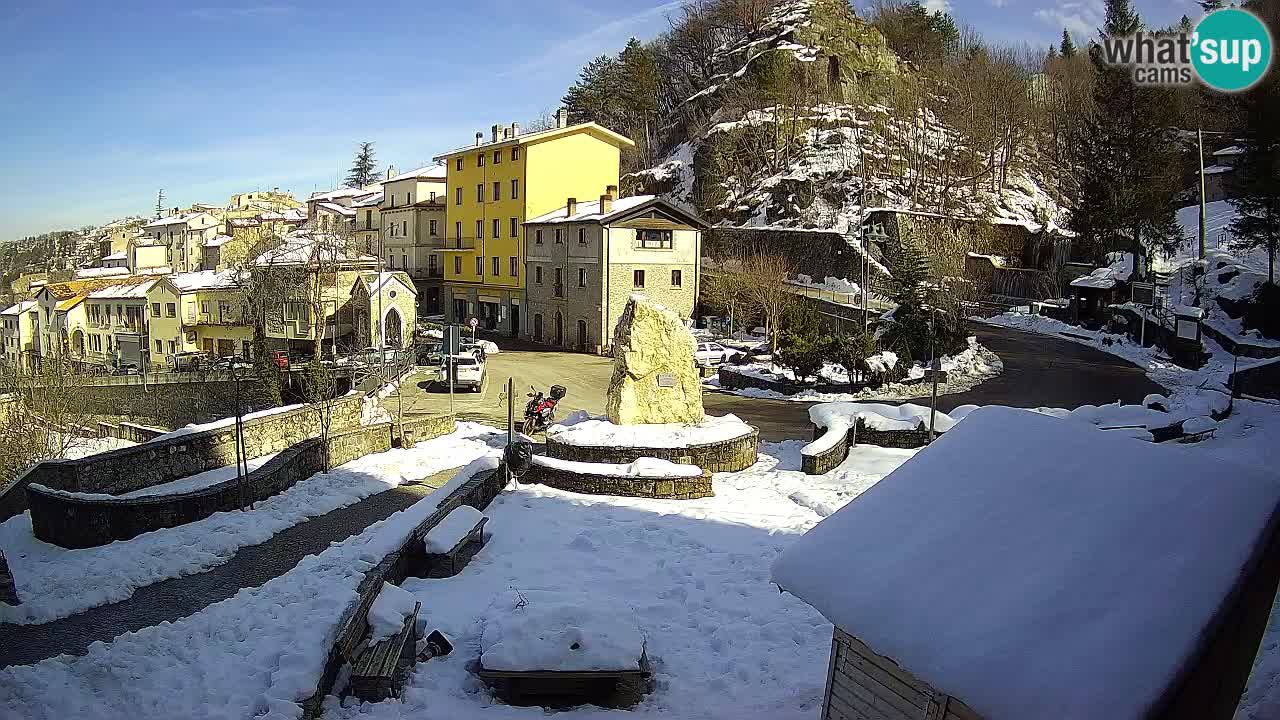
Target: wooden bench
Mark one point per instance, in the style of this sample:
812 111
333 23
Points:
451 562
557 688
378 671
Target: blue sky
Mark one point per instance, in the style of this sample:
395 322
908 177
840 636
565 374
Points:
105 103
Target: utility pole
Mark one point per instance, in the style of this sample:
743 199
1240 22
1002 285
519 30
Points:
160 203
1200 147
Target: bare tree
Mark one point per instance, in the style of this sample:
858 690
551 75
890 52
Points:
42 414
767 276
728 290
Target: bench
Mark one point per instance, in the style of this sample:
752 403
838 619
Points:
447 542
376 669
558 688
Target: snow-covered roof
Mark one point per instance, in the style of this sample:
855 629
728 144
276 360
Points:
1229 151
218 241
122 255
374 282
336 209
179 219
1034 567
302 248
370 201
101 272
1108 277
295 215
1218 169
20 308
131 291
590 211
605 133
344 192
205 280
435 171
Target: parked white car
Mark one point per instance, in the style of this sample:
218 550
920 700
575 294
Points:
468 372
712 353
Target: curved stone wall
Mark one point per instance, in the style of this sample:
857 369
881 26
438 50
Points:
726 456
824 461
662 488
81 520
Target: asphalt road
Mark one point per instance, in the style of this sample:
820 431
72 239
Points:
1039 371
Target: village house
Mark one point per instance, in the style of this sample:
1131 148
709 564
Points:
64 321
184 236
413 219
389 295
586 258
21 328
212 314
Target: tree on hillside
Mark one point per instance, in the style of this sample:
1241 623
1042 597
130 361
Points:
1127 156
1210 5
364 169
1068 48
1256 181
621 93
914 33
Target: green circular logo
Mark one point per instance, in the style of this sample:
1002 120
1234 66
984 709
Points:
1231 49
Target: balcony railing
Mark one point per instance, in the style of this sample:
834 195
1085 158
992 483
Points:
458 244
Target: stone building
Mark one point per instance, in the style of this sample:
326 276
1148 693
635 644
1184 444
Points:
584 260
389 295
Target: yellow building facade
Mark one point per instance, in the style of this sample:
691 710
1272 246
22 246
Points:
492 188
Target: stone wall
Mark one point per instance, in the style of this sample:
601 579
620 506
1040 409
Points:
82 521
827 460
729 456
172 404
132 432
410 559
662 488
160 461
8 590
1261 380
907 439
412 432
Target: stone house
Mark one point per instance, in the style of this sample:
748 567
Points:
389 295
584 260
184 234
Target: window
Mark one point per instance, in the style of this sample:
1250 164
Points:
458 164
159 349
559 282
515 227
655 239
676 278
497 157
515 267
204 309
404 228
432 263
497 229
479 159
479 229
537 274
457 232
582 277
479 192
515 188
497 191
155 310
497 266
637 278
404 262
457 265
433 228
457 196
537 236
582 236
558 240
408 198
480 266
173 347
515 153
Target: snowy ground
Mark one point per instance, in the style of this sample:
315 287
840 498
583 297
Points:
84 447
965 371
54 582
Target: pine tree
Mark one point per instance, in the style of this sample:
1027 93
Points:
1210 5
1121 19
1256 180
363 169
1068 48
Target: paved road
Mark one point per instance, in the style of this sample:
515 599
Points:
182 596
1039 371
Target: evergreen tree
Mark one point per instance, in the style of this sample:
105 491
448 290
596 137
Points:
363 169
1256 181
1210 5
1053 52
1068 48
1128 159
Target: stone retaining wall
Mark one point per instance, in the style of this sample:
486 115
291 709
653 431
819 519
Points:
409 560
728 456
662 488
80 522
1261 381
731 379
131 432
160 461
827 460
907 439
411 432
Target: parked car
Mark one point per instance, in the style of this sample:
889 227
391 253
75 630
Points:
713 353
188 361
126 369
468 372
232 362
280 359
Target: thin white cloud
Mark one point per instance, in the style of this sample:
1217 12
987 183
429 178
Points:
241 13
1081 17
998 3
937 5
592 42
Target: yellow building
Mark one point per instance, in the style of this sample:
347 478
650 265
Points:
184 234
164 331
20 328
119 322
212 314
493 187
250 204
367 226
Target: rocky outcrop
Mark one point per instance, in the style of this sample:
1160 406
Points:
8 590
654 377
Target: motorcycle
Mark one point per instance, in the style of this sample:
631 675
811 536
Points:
540 412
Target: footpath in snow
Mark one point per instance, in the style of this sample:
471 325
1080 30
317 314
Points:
55 582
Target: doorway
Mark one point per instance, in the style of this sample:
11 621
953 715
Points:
559 336
582 335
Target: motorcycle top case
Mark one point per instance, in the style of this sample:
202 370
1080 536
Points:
558 392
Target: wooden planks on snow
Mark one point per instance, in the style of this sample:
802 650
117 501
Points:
863 685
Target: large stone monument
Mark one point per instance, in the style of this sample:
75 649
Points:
654 377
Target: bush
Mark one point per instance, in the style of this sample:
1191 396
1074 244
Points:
803 351
1262 313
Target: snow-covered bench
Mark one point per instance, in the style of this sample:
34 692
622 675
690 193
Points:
445 543
380 664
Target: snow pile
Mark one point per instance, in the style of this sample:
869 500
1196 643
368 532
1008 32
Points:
877 416
256 654
1203 423
883 361
569 632
975 363
54 582
1011 513
389 611
600 432
489 347
1104 278
833 284
451 530
641 468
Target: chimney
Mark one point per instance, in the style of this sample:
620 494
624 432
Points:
506 133
612 190
479 138
606 204
515 129
391 171
571 207
494 130
562 118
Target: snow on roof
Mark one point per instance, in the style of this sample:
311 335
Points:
1218 169
1033 567
1105 278
374 282
295 215
20 308
620 141
100 272
1229 151
302 248
218 241
122 255
344 192
336 208
373 199
590 211
134 291
181 218
206 280
435 171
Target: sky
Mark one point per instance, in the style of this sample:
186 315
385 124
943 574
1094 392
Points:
104 104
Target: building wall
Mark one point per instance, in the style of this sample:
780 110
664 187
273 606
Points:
365 308
149 256
164 328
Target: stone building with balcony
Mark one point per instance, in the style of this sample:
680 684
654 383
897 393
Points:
585 259
412 231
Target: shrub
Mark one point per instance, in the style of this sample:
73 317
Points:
802 351
1262 313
